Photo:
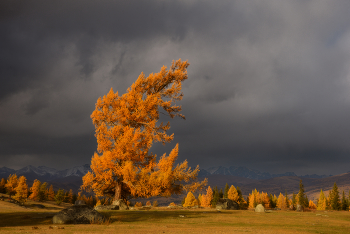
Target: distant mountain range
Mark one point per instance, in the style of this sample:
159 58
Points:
249 173
43 173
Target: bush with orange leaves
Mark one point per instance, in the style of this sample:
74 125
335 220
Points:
172 204
138 204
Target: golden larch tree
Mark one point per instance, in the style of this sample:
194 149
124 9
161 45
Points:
126 128
21 190
322 201
312 205
254 198
265 201
206 199
281 202
35 191
11 184
199 199
51 194
233 194
42 191
2 185
251 199
190 200
70 196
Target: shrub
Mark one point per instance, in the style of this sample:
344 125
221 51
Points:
155 204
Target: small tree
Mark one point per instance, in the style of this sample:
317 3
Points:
273 202
51 194
334 198
42 192
301 195
206 199
287 200
3 185
199 199
252 200
21 190
216 197
344 202
294 200
11 185
148 203
281 202
233 194
138 204
265 201
312 205
59 196
71 196
35 191
155 204
190 200
321 203
227 188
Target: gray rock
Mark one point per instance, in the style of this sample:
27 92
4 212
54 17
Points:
300 208
121 204
260 208
80 214
226 204
79 202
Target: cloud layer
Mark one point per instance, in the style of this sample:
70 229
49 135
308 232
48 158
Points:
268 83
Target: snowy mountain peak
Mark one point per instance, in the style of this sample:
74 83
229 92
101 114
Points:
31 169
75 171
51 171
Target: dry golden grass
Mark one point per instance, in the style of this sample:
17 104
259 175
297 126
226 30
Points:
14 219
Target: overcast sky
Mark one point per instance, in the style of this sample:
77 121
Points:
268 86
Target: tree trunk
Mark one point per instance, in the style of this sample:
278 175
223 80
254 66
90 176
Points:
118 191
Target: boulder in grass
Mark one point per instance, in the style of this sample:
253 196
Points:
260 208
121 204
78 214
300 208
226 204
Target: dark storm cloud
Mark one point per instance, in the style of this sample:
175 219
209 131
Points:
268 83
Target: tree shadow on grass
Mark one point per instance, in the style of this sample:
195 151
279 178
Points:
15 219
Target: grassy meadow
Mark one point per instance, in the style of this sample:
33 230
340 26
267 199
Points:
16 219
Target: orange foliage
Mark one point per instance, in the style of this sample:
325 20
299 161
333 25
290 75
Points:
281 202
148 203
206 199
138 204
126 127
51 194
35 190
312 205
233 194
70 196
11 184
265 200
2 185
190 200
21 190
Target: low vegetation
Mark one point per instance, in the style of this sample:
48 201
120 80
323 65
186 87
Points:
33 219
